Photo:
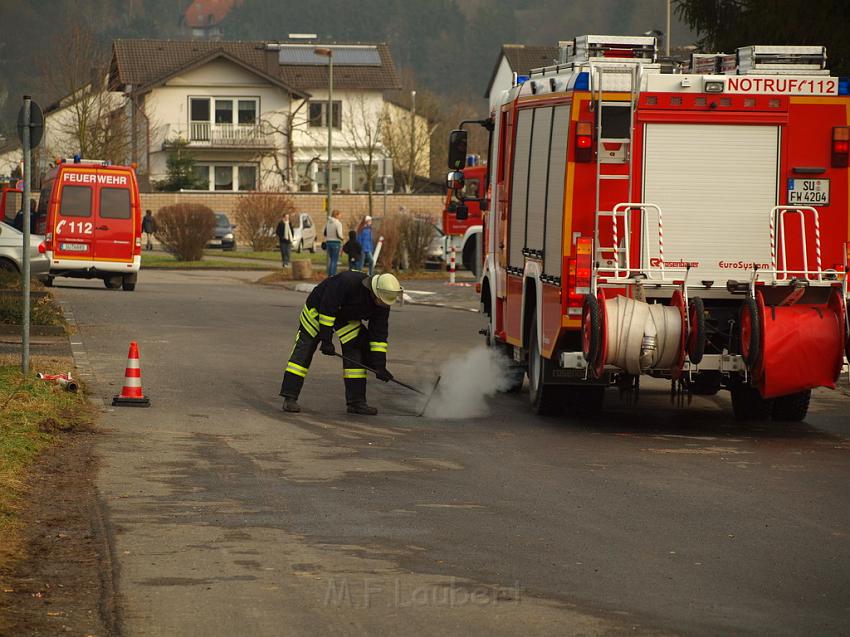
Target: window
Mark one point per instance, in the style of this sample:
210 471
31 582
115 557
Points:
199 109
114 203
247 177
76 201
224 111
318 114
202 177
247 112
307 222
316 111
43 200
223 177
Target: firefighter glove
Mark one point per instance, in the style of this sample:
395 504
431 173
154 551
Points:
328 347
384 375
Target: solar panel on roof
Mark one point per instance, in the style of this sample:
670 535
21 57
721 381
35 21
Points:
343 56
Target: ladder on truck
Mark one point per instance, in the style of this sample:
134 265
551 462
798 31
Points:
613 259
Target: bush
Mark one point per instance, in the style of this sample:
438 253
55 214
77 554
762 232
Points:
416 234
184 230
257 216
390 230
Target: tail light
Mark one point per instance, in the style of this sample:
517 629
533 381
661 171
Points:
584 141
42 247
579 274
840 146
138 249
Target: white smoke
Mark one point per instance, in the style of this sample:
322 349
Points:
467 381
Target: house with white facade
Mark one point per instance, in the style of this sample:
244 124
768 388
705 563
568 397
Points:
252 115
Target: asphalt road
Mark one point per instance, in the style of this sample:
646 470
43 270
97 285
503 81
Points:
230 517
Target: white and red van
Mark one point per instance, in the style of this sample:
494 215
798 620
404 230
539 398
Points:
94 222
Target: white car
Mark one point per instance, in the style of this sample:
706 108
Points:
303 233
12 251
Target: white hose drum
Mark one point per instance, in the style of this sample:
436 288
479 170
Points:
640 336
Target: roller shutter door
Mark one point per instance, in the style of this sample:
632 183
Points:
553 249
716 185
519 188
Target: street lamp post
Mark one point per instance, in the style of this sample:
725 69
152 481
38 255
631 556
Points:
412 174
328 52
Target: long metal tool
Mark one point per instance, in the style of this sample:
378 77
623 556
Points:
375 371
428 402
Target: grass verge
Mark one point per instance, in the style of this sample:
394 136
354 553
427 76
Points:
32 414
317 258
168 262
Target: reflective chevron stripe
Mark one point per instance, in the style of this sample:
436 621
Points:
354 373
348 332
296 369
377 346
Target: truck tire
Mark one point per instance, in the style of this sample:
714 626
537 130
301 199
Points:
47 281
747 404
515 373
793 407
545 400
113 282
128 283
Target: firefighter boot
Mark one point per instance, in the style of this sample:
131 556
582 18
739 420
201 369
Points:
291 405
361 407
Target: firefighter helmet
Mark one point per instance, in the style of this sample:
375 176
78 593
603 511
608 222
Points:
385 287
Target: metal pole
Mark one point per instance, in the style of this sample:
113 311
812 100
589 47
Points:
25 208
412 176
330 130
667 33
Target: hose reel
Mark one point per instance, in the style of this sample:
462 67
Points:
633 335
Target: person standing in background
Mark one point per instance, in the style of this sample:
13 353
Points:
284 237
353 250
364 236
333 241
149 228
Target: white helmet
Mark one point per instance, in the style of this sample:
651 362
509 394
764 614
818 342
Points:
385 287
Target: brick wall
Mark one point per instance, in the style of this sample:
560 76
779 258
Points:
351 206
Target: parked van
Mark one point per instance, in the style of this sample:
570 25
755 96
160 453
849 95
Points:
94 222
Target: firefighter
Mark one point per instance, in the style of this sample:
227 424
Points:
339 304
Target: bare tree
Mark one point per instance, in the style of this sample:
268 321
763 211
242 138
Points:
408 131
89 119
363 134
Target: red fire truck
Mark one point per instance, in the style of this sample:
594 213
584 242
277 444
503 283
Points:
686 226
462 221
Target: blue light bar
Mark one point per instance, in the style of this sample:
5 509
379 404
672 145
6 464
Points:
582 82
844 85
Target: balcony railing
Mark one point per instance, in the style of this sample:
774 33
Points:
230 135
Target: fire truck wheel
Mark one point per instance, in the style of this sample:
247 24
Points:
750 326
545 400
793 407
696 337
747 404
47 281
113 282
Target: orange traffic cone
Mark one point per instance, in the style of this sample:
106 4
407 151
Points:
131 393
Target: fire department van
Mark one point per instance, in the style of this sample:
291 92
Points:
462 213
94 222
689 226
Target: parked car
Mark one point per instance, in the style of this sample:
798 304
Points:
303 233
223 237
437 248
12 251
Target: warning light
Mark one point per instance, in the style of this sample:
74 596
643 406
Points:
840 146
584 141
